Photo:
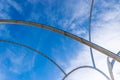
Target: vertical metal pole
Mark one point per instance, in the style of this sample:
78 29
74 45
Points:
110 69
90 20
110 66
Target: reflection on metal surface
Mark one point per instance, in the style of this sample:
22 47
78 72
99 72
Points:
16 43
86 42
81 67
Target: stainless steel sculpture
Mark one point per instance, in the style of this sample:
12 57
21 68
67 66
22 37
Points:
115 57
90 21
110 66
32 49
56 64
86 42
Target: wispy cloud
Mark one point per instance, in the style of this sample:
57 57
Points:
78 13
15 5
15 61
21 62
4 9
105 32
5 13
2 76
8 7
69 15
4 32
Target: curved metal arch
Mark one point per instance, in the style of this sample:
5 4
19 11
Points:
90 21
86 42
91 67
32 49
111 65
113 60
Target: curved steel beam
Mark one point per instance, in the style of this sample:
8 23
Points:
110 66
113 61
91 67
90 21
32 49
86 42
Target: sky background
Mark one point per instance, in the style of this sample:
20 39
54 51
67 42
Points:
18 63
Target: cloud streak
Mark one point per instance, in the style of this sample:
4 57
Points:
105 32
21 61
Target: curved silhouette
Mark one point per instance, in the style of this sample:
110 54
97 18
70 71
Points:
25 46
86 42
91 67
90 21
111 65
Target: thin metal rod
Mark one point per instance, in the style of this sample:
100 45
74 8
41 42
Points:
90 21
32 49
91 67
113 61
110 66
86 42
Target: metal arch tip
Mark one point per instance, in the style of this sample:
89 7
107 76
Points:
91 67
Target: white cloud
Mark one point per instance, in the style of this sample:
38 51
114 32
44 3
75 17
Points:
33 1
4 15
81 10
85 74
15 5
116 70
21 62
75 14
79 31
4 10
2 76
4 32
105 32
81 58
72 11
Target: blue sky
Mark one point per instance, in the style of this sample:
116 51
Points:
18 63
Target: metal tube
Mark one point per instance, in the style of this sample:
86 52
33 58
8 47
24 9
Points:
110 68
90 20
16 43
86 42
86 67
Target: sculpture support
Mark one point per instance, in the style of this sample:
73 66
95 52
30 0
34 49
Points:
85 67
86 42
